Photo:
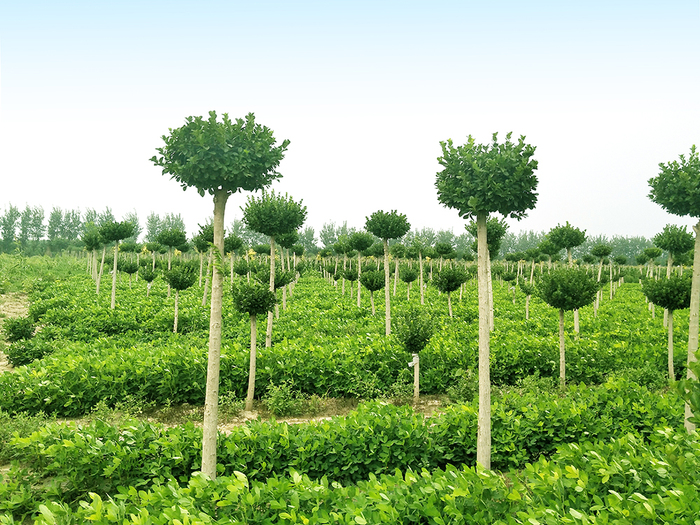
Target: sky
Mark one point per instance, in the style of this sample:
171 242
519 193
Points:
364 90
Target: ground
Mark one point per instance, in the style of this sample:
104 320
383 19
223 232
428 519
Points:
11 305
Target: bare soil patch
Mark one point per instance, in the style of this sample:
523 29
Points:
11 305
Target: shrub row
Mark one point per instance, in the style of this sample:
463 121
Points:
376 439
624 481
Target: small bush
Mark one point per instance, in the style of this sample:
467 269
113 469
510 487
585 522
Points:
18 329
27 351
282 400
465 387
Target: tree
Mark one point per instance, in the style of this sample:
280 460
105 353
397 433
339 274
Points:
219 158
677 190
180 278
449 280
359 241
414 329
391 225
674 240
273 215
566 237
408 275
253 299
172 238
374 281
93 241
566 289
8 226
672 293
115 232
476 180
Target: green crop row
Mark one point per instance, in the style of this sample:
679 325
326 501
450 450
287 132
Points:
624 480
376 439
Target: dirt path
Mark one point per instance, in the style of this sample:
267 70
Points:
11 305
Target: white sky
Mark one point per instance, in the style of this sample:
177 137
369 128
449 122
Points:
365 91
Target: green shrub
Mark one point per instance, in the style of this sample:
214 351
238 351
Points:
283 400
18 328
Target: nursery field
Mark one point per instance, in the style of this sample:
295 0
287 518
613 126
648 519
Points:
83 436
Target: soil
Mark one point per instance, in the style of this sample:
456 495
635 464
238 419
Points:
11 305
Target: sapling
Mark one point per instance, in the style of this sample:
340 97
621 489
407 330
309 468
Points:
219 158
671 293
414 329
128 267
397 251
566 289
387 225
115 232
408 275
360 241
232 243
374 281
675 241
677 190
479 179
149 275
179 278
449 280
171 238
273 215
254 299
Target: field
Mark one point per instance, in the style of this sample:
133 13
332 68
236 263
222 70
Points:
100 419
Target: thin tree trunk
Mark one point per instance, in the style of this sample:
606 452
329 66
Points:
483 443
253 359
527 307
114 276
170 260
694 322
562 352
177 298
211 403
268 333
359 273
449 303
396 275
102 266
490 289
671 372
206 281
420 278
201 263
387 290
576 322
416 379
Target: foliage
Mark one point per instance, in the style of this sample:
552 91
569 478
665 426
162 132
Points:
231 155
253 298
373 280
450 279
18 328
272 214
283 400
172 237
414 328
116 231
408 274
601 251
495 230
672 293
488 177
360 241
180 277
391 225
677 186
567 288
674 240
566 237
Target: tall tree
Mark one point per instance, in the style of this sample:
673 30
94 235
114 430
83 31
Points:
273 215
675 241
8 226
387 225
219 158
677 190
478 179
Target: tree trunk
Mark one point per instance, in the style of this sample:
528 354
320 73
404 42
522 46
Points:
170 260
206 280
201 263
483 443
576 322
211 403
416 379
177 298
102 266
562 352
359 272
694 322
268 333
396 275
420 277
253 359
449 303
671 372
387 290
490 291
114 276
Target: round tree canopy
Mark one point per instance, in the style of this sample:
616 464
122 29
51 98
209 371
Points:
672 293
567 288
253 298
273 215
373 280
392 225
677 186
449 279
